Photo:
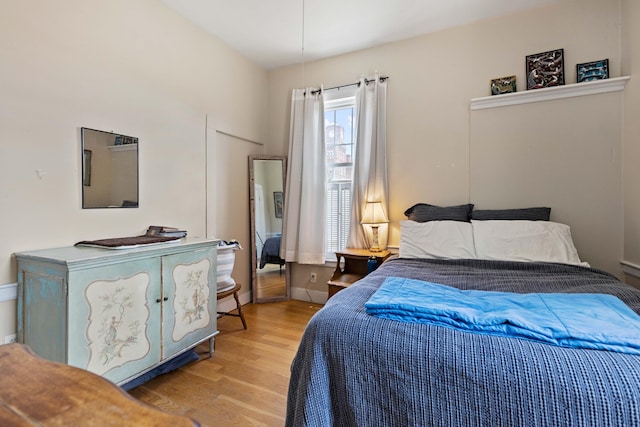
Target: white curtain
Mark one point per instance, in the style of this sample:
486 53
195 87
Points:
370 164
261 223
303 237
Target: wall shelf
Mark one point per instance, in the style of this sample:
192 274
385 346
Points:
615 84
123 147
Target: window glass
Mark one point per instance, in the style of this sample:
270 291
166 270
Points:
340 150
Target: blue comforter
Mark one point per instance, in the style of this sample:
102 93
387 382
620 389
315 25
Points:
597 321
271 252
354 369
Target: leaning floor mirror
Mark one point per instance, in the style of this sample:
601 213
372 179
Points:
270 274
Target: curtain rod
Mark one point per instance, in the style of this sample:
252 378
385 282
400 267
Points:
317 91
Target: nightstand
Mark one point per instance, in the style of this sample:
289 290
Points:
354 269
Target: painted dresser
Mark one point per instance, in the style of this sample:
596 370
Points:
117 312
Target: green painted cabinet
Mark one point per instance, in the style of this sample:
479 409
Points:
117 313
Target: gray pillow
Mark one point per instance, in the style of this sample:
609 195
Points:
423 212
528 214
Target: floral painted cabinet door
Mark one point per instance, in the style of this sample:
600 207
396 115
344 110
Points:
114 326
189 299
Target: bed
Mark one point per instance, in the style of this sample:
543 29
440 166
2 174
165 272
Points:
353 368
271 252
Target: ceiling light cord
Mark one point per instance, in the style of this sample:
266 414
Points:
302 45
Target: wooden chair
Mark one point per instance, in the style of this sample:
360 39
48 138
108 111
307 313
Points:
233 291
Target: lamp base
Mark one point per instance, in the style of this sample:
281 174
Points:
375 244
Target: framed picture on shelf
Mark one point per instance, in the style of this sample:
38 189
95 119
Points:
595 70
545 69
503 85
278 203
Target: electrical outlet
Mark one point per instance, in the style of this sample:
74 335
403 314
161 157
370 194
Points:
10 339
314 277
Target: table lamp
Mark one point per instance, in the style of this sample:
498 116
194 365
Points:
374 216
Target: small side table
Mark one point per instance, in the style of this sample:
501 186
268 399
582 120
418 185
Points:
354 269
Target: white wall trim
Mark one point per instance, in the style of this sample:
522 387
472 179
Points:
229 304
615 84
302 294
8 292
630 268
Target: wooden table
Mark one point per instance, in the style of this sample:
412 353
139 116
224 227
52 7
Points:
354 268
37 392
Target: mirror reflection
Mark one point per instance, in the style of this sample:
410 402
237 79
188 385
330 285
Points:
270 275
109 170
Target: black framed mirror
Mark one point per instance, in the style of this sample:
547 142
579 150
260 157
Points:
270 275
109 170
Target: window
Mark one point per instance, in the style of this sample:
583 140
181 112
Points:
340 149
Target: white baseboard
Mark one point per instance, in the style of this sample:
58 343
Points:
8 292
630 269
302 294
229 303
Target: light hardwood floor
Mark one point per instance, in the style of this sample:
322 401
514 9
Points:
271 282
245 382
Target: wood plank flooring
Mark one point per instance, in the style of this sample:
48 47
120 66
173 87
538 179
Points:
245 382
271 282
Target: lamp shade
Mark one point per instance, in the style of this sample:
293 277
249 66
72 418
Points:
373 214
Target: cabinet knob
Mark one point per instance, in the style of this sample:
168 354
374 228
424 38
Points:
158 300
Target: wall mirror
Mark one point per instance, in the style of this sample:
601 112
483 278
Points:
109 170
270 274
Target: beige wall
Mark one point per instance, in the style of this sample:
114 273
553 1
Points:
433 78
139 69
571 162
136 68
631 132
228 200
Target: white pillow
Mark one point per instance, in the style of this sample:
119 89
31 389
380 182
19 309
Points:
536 241
436 240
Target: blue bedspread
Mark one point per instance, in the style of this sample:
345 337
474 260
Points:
354 369
271 252
597 321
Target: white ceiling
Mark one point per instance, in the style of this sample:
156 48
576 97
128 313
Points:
270 32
